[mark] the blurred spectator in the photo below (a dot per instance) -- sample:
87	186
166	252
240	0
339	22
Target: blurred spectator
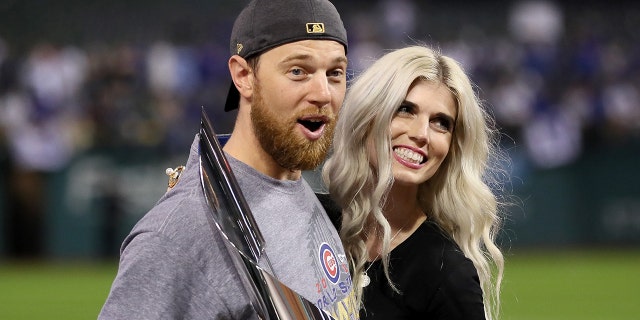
552	139
37	119
622	110
536	22
399	18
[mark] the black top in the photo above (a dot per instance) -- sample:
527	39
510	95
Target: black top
332	209
435	279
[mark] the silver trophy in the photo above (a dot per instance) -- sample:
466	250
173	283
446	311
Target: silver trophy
231	215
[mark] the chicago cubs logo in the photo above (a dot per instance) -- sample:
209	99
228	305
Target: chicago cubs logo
329	263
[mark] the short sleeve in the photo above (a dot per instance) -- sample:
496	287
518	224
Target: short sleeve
460	294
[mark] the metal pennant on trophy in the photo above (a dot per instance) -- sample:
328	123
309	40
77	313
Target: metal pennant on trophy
230	214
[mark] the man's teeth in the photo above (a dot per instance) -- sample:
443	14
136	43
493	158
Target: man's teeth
409	155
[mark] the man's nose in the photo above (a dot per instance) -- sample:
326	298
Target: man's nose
320	93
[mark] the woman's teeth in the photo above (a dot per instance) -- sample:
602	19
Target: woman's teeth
409	155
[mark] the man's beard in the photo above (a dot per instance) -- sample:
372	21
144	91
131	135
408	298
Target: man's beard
277	136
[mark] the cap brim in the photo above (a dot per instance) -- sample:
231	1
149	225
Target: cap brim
233	98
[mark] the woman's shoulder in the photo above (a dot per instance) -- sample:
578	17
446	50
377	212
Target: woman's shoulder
331	208
435	249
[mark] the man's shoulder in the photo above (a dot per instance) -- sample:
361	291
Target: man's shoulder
175	213
179	220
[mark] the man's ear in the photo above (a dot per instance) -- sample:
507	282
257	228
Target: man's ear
242	75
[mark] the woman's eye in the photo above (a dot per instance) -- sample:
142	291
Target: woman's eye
442	124
404	109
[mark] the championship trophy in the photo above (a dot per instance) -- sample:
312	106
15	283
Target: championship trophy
230	214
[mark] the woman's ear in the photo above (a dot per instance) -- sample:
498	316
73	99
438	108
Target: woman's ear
242	75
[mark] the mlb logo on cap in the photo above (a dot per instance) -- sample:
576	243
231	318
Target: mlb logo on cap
316	27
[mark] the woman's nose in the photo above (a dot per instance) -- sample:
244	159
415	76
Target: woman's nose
420	131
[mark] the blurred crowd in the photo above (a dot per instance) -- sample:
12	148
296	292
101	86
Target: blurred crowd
559	82
554	87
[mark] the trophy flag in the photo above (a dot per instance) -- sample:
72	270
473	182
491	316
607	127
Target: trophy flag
230	214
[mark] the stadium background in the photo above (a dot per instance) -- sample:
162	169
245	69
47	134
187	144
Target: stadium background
97	98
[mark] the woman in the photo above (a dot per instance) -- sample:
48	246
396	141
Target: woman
410	171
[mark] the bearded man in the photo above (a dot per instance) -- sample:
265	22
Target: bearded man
288	65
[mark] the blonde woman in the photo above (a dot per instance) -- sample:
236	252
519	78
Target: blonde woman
410	169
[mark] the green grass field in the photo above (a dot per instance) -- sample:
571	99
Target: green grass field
53	291
586	285
538	285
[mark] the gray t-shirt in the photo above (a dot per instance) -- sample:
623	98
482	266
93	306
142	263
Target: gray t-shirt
303	246
174	265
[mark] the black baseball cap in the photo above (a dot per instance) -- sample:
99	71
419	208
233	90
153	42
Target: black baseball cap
265	24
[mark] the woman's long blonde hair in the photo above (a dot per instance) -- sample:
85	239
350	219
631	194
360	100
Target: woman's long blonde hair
459	197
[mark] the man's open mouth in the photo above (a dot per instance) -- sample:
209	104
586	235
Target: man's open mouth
312	125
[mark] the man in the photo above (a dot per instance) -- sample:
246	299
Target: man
288	67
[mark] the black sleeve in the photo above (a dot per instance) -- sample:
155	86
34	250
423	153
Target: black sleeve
460	295
333	210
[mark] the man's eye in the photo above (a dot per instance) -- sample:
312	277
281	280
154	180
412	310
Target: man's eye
296	72
336	73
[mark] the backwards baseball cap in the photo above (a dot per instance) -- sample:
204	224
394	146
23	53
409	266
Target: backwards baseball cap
265	24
